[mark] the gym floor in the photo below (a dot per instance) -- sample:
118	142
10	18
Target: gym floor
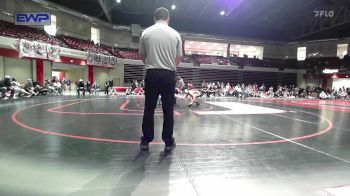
90	146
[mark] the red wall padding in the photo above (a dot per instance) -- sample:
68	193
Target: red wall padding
40	71
91	74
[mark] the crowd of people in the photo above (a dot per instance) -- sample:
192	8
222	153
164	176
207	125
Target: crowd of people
216	89
86	87
136	88
10	88
109	86
212	89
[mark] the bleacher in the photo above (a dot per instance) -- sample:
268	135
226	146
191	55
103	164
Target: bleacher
321	62
127	53
84	45
8	29
206	59
266	62
111	50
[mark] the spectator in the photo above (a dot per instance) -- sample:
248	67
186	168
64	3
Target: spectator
57	87
29	87
323	95
17	89
69	84
111	83
107	85
80	87
88	87
95	88
5	87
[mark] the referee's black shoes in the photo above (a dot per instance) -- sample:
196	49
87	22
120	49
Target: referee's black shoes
169	148
144	146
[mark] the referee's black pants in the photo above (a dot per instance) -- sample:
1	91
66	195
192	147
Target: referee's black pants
159	82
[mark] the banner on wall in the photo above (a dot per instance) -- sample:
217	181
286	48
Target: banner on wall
105	60
101	60
26	48
97	59
113	61
34	49
40	50
53	52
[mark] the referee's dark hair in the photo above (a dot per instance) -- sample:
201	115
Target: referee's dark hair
161	14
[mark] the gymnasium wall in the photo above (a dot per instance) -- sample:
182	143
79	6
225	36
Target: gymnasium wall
117	74
111	37
312	82
74	74
21	69
13	6
73	26
81	29
275	51
301	80
100	75
47	70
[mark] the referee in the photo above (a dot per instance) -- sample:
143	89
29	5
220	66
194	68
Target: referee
161	51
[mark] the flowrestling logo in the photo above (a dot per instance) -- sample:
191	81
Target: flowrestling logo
324	13
37	19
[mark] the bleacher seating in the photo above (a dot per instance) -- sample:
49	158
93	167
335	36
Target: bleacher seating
266	62
84	45
111	51
315	65
249	62
292	63
23	32
125	53
322	62
206	59
128	53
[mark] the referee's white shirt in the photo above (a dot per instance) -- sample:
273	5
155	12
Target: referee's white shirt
160	45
